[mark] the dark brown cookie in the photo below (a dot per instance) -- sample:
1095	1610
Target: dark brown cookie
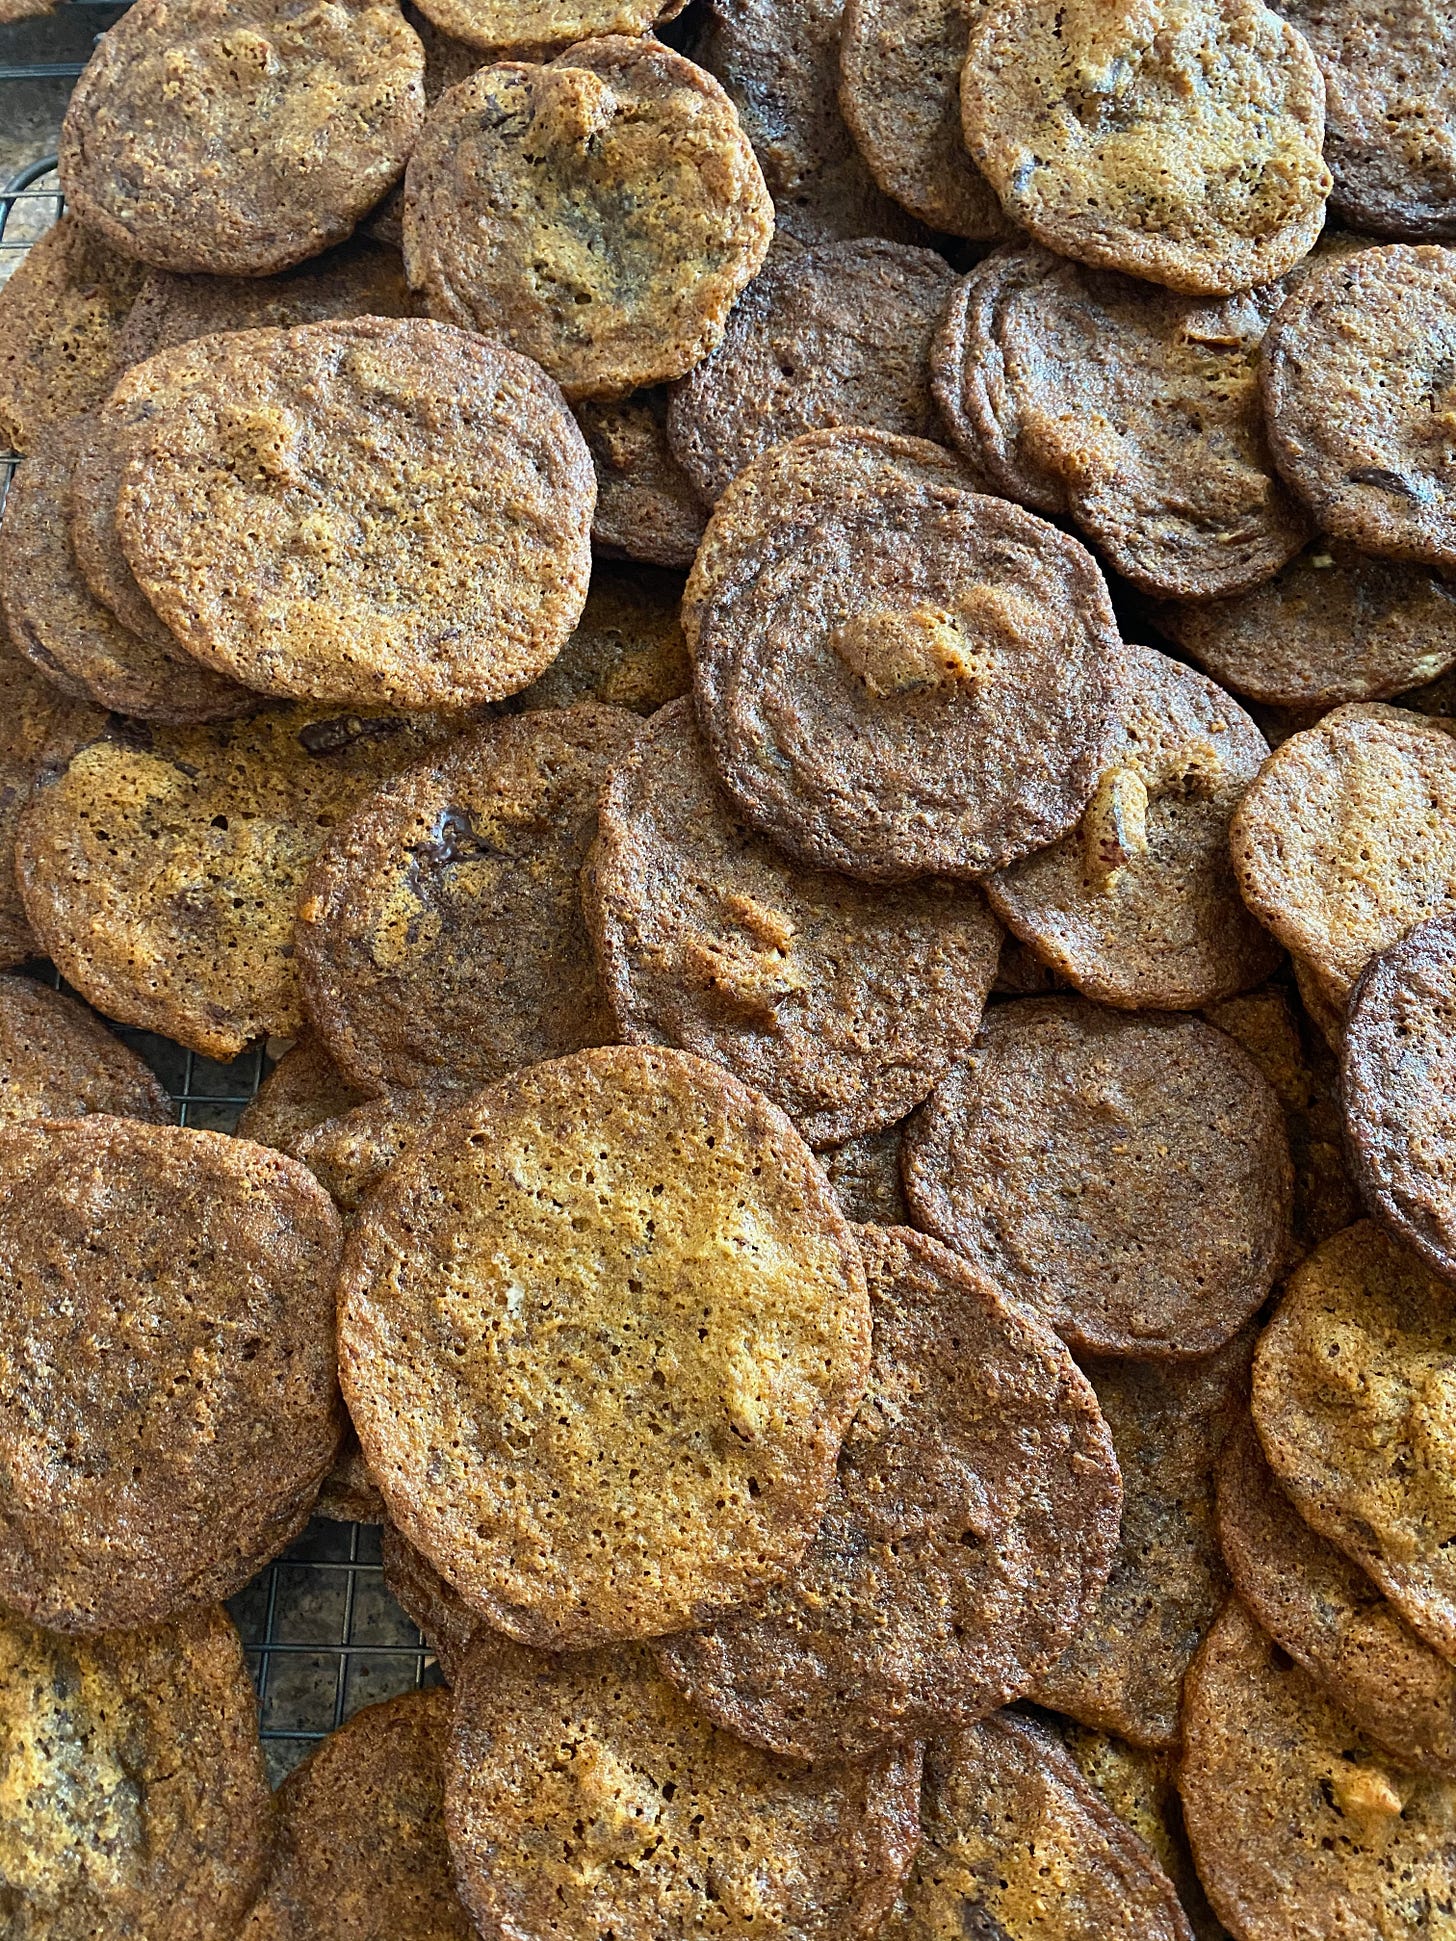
440	933
865	1176
423	537
61	314
1356	374
1019	1847
628	650
37	723
1139	906
303	1089
55	620
161	867
1124	1669
1350	1387
1329	1616
1299	1827
132	1794
1127	1177
360	1849
286	124
646	507
837	335
58	1061
349	1494
575	1285
895	675
601	214
171	1419
967	1539
900	67
1108	134
842	1003
684	1830
350	1154
1399	1081
446	1622
1333	626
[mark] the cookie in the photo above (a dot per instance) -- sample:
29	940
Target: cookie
1355	363
360	1846
287	125
1298	1825
440	933
1347	839
896	676
646	508
447	61
637	1237
1348	1388
161	867
843	1004
132	1794
1390	101
1018	1844
61	314
171	1419
303	1089
628	650
601	214
837	335
526	30
1399	1077
1125	1667
1333	626
56	621
900	67
1331	1619
865	1176
447	1624
1108	135
423	538
57	1061
1128	1178
349	1494
1139	906
966	1541
350	1154
1325	1012
37	723
684	1830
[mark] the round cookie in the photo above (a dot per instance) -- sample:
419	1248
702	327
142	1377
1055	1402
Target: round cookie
865	1176
61	314
1125	1667
350	1154
37	723
684	1830
447	1624
161	867
1347	839
1330	1618
57	1061
628	650
56	621
897	676
423	537
1139	907
1398	1082
1333	626
303	1089
132	1793
1128	1178
967	1539
1019	1847
601	214
286	124
900	67
1108	133
527	30
843	1004
837	335
1390	104
360	1847
589	1252
646	509
1356	374
1350	1386
1297	1825
440	934
171	1419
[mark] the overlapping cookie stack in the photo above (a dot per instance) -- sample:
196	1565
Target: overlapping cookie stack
865	1179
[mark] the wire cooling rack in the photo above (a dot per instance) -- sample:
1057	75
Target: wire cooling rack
322	1635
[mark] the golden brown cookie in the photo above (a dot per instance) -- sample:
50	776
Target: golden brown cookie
37	723
58	1061
303	1089
447	1624
602	1332
528	30
628	650
172	1417
646	508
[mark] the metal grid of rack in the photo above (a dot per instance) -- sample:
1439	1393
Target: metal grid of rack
322	1634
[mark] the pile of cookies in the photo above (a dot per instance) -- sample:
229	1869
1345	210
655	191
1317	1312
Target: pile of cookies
860	1166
